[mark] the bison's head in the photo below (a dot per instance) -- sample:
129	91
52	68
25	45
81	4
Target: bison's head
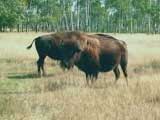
69	49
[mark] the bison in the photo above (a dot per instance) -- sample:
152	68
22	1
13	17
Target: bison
97	53
50	45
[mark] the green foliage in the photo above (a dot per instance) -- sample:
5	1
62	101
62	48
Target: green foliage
10	12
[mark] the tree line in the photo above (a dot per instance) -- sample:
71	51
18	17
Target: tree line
121	16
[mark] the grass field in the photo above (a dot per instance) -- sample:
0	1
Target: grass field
63	95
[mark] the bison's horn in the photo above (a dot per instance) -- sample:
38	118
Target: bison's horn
82	44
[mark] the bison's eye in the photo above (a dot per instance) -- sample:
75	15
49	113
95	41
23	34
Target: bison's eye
78	50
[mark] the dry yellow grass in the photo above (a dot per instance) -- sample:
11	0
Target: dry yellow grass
63	95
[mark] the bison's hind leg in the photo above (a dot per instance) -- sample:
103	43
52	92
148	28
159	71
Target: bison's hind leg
40	65
124	69
117	73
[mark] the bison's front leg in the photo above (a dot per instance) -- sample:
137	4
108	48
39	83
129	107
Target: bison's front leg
87	78
94	77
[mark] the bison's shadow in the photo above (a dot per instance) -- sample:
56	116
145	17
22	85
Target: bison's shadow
22	75
25	76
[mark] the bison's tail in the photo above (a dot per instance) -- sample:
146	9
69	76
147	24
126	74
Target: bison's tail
31	44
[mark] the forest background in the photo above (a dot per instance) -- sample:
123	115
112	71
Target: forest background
109	16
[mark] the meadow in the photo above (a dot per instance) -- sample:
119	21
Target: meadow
63	95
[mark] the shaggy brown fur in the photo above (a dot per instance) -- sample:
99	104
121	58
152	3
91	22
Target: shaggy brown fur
105	56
